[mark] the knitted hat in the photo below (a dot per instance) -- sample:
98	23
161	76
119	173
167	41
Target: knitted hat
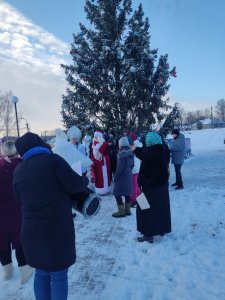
74	132
28	141
175	131
152	138
123	142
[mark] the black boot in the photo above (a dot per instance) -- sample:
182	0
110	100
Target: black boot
145	238
179	187
174	184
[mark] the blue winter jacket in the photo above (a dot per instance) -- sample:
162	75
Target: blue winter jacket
178	150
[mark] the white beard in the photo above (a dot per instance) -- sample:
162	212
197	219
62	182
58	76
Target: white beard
96	153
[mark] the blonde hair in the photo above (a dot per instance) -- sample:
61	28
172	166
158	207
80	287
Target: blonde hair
8	148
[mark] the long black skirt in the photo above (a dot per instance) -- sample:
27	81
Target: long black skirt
157	219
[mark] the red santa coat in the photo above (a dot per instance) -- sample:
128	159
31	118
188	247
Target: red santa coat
97	166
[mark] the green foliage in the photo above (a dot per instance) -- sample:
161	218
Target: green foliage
169	122
199	125
115	79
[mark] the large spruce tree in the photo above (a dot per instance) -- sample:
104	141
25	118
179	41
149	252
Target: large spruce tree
169	121
115	79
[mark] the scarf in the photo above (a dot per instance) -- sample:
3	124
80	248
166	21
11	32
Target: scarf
34	151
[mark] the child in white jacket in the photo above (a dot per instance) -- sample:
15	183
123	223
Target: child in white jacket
135	173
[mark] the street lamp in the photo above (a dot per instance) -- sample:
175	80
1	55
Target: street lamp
15	100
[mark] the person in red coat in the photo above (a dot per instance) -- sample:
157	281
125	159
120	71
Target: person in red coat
10	216
101	164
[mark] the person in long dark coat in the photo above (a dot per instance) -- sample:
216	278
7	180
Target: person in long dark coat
44	183
153	180
123	178
112	152
10	216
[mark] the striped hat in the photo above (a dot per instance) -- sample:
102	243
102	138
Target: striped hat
152	138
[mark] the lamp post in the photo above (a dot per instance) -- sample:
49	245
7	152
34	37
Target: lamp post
15	100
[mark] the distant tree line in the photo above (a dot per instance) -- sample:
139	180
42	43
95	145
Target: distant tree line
192	117
7	115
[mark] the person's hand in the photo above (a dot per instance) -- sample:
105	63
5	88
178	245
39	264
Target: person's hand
133	147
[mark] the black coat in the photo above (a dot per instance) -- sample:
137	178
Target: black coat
112	152
153	169
153	178
43	184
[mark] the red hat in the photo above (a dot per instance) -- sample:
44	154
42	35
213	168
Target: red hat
98	133
133	136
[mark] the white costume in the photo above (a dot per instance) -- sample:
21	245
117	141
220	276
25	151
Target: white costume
74	132
66	150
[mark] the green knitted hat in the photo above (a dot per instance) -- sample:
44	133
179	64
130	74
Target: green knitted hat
152	138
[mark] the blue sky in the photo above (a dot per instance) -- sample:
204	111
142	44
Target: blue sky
191	31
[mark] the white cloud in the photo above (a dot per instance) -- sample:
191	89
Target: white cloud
39	46
39	94
4	37
30	59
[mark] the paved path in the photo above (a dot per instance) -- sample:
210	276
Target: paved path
94	266
96	253
100	239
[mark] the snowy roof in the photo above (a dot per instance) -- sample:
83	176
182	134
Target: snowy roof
206	121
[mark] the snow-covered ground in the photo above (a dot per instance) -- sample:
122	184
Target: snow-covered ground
187	264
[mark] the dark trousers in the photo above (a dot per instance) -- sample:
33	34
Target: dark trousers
119	200
6	256
179	180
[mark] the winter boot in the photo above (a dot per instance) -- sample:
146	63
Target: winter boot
145	238
120	213
25	273
7	271
127	209
179	187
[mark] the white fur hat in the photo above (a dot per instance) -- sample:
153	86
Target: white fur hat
60	134
74	132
